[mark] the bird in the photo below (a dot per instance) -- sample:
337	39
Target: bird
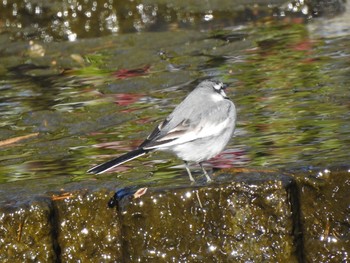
198	129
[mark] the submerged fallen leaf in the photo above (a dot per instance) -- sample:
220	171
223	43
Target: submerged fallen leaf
140	192
78	58
17	139
126	99
19	231
229	158
62	196
128	73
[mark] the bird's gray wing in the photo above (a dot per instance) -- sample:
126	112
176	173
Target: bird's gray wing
179	120
184	124
166	132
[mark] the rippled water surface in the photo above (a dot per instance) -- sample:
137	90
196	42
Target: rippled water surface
72	98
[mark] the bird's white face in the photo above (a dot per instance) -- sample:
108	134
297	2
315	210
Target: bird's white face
219	88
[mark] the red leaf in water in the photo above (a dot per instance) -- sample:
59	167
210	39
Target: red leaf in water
144	120
124	99
129	73
304	45
229	158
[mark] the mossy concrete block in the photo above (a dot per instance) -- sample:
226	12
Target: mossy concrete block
325	215
26	234
245	221
87	230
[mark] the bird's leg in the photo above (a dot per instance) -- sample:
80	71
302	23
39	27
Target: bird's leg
189	172
205	173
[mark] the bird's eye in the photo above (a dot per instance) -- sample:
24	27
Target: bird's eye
218	86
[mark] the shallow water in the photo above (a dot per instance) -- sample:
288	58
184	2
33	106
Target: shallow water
70	102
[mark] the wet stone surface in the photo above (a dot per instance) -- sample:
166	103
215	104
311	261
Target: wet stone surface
52	223
250	219
86	229
243	216
26	233
235	221
325	213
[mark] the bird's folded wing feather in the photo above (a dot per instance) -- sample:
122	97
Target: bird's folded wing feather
190	127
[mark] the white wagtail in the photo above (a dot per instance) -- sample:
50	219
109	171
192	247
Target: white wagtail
198	129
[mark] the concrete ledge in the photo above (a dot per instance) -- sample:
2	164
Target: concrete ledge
26	233
253	216
86	229
325	214
237	222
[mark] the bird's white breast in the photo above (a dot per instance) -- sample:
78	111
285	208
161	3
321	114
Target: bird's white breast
216	97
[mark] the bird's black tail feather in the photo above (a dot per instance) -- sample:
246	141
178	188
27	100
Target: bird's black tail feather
101	168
